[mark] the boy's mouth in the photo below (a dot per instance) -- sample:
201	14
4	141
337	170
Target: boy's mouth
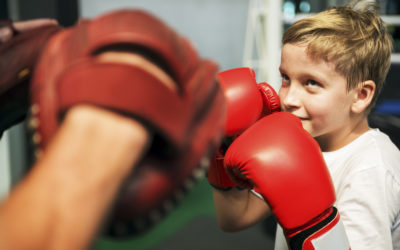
304	119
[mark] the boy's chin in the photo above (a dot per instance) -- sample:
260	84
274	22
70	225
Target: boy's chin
307	126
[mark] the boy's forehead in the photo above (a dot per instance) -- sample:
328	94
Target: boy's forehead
296	57
301	53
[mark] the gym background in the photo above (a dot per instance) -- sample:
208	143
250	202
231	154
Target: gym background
234	33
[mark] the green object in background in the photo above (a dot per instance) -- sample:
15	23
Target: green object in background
198	202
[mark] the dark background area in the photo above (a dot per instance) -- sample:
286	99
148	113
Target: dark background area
66	12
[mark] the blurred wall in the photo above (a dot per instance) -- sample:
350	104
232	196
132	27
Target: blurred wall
216	27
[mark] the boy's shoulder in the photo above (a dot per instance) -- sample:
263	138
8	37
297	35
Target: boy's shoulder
378	143
373	149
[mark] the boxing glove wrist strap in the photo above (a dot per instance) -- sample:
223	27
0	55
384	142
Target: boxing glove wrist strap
327	234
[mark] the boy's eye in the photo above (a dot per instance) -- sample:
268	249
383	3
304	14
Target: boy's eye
312	83
285	80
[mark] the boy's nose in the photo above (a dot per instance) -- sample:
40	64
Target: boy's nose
290	98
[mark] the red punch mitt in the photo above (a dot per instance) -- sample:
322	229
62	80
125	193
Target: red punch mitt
187	123
18	57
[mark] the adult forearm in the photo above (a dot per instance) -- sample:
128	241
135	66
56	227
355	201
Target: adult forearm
62	201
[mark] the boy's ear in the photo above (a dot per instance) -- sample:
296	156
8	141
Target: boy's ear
363	96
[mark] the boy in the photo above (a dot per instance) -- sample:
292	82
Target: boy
333	67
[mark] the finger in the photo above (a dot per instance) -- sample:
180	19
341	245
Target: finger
5	34
22	26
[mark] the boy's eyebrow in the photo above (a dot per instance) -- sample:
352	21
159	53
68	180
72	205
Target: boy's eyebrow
317	77
314	74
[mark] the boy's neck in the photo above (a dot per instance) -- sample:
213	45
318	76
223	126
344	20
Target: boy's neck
338	139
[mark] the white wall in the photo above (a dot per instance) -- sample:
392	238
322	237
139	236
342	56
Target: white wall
5	177
13	158
216	27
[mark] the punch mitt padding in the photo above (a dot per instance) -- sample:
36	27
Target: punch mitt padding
187	123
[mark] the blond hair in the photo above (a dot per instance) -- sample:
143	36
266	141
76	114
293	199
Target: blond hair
353	37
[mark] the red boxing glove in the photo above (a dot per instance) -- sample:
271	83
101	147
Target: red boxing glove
282	162
247	101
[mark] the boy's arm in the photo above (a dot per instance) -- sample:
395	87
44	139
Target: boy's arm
60	204
238	209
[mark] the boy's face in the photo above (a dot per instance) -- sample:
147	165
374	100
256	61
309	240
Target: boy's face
313	91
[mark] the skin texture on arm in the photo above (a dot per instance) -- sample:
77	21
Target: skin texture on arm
238	209
61	202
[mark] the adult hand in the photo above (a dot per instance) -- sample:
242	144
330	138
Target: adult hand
8	28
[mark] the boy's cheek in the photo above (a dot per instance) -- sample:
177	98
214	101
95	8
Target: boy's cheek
282	94
307	126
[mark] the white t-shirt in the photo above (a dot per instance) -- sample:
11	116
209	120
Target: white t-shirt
366	176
